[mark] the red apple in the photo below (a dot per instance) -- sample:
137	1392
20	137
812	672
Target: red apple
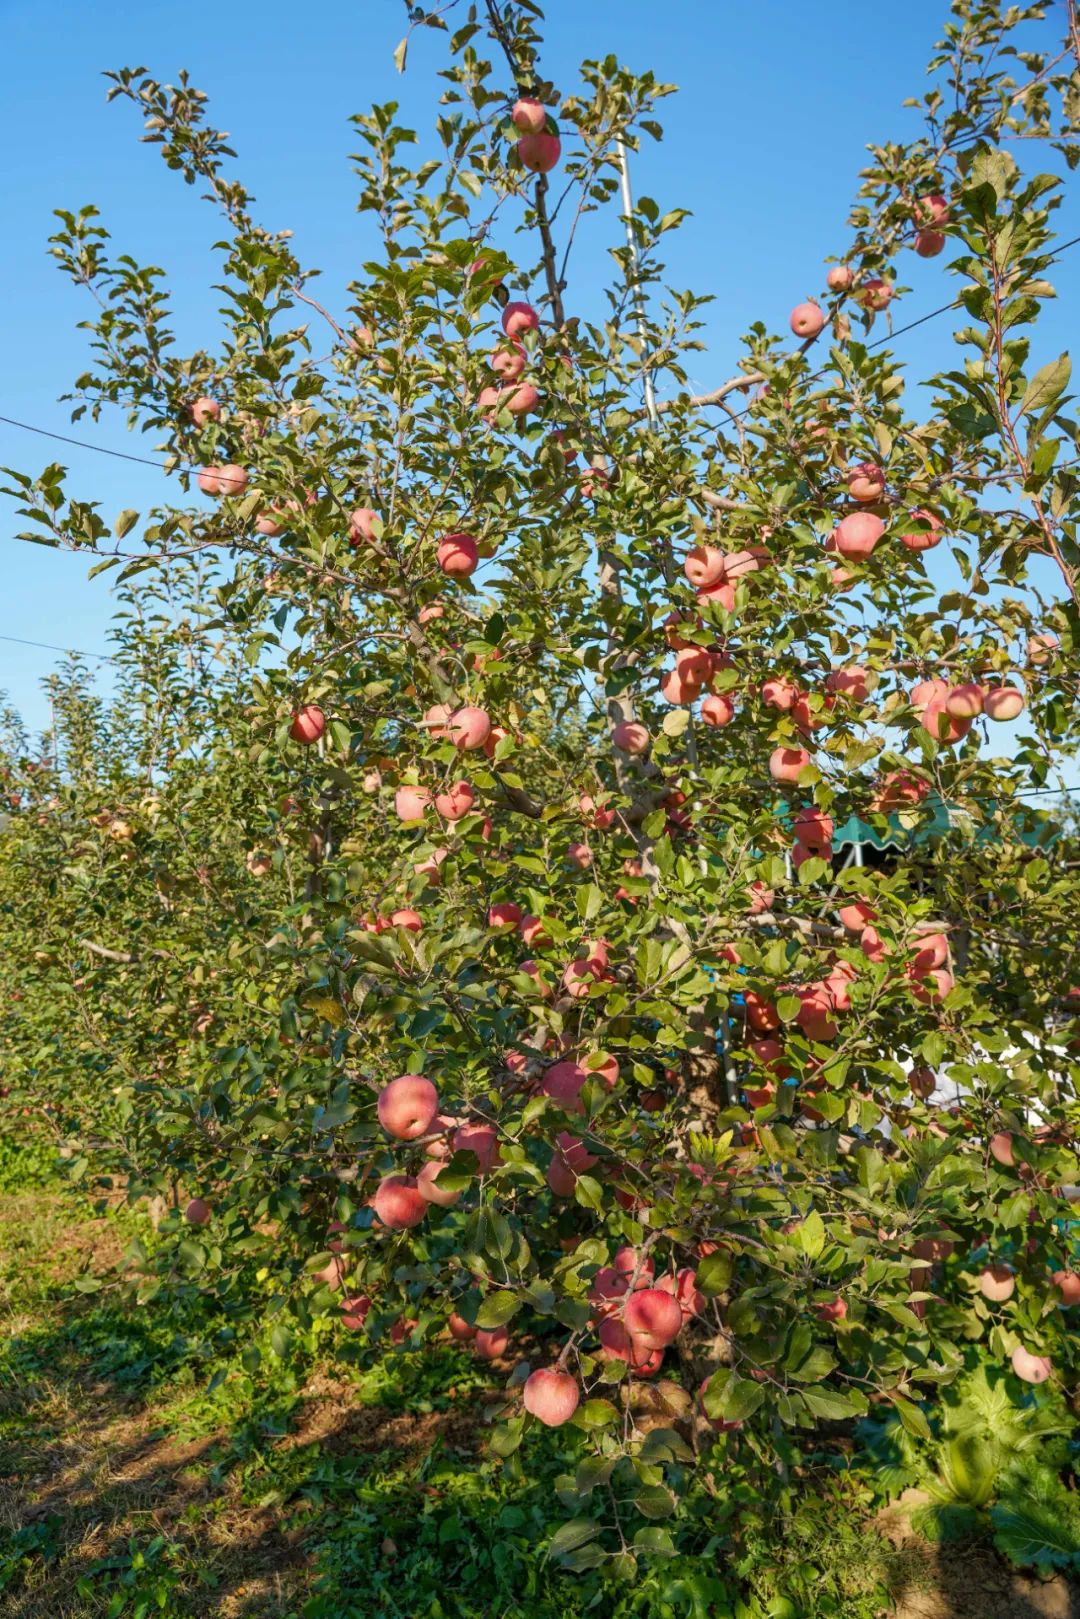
398	1202
1003	703
362	525
197	1211
539	153
551	1395
407	1106
457	555
308	725
204	410
857	534
997	1283
839	278
518	318
528	115
927	537
866	482
785	764
1030	1367
630	736
807	320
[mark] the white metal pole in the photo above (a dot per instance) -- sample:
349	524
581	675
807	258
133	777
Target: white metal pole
639	304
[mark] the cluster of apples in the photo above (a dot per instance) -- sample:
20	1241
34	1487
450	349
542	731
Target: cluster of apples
508	362
538	146
872	292
947	712
928	951
408	1110
637	1317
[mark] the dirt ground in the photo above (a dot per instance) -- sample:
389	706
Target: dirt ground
968	1583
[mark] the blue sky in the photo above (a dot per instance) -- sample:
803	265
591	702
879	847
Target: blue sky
763	143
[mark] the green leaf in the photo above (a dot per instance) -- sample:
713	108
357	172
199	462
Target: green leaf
714	1273
596	1414
655	1502
911	1415
1037	1534
1046	386
497	1309
731	1398
578	1532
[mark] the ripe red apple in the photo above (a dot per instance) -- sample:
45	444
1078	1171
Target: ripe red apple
718	709
428	1190
528	115
407	1106
807	319
534	932
518	318
964	702
852	683
929	243
785	764
259	864
209	480
926	538
630	736
933	210
197	1211
1001	1149
1030	1367
857	534
362	525
539	153
856	914
830	1309
308	725
504	916
411	802
205	410
866	482
1041	648
779	693
470	728
509	363
551	1395
839	278
232	480
456	802
875	294
354	1311
579	855
432	611
1003	703
563	1082
408	919
997	1283
482	1140
705	565
652	1317
399	1202
457	555
459	1329
931	950
491	1342
1067	1283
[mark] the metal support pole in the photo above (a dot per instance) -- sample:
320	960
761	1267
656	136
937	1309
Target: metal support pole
639	304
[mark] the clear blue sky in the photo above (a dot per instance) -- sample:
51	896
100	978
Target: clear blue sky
763	143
